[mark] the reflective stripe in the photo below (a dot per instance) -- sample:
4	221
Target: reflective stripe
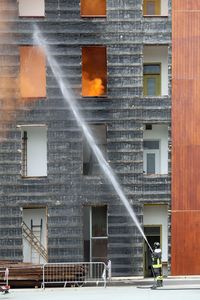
159	278
157	266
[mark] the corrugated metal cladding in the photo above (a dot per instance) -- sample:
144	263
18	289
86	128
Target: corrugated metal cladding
65	190
186	164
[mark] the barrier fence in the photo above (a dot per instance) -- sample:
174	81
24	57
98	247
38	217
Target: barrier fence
4	272
76	273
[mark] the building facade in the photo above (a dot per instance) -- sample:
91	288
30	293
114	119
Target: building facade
116	56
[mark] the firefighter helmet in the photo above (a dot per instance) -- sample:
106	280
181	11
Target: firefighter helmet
156	245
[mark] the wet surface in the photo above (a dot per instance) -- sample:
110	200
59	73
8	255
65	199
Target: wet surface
108	293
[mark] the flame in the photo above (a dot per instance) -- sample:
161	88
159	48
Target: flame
11	103
94	71
93	87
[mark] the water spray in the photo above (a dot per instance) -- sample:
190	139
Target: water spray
71	101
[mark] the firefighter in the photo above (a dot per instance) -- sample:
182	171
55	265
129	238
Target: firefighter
157	265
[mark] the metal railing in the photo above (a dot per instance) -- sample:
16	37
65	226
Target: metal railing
76	273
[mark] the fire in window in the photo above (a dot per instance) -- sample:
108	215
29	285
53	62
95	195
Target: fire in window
94	71
32	72
93	8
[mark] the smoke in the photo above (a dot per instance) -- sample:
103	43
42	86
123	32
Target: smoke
8	77
32	72
12	85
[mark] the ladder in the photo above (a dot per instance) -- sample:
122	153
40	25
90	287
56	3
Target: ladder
34	241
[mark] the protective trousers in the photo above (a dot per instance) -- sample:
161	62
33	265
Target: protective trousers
157	272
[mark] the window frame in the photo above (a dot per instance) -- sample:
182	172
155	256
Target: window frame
97	238
157	153
156	76
25	152
157	7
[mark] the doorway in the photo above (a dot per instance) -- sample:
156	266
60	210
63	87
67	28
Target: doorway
153	234
95	233
34	230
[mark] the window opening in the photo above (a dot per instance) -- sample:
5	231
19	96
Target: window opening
90	162
32	72
31	8
34	151
95	233
94	71
152	7
93	8
151	157
152	79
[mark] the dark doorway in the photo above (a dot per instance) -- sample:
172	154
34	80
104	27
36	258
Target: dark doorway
95	233
153	234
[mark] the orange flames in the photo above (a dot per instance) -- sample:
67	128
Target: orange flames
93	7
11	84
94	71
92	87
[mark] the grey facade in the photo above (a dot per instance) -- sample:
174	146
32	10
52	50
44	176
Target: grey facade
125	111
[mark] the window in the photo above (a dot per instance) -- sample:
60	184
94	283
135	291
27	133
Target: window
93	8
155	149
151	7
90	163
151	157
95	233
94	71
152	79
32	72
31	8
34	151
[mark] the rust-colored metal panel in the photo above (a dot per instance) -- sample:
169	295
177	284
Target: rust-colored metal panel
185	5
185	243
185	137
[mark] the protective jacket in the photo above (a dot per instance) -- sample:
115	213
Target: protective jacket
157	266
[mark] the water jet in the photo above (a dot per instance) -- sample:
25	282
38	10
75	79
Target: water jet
71	101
